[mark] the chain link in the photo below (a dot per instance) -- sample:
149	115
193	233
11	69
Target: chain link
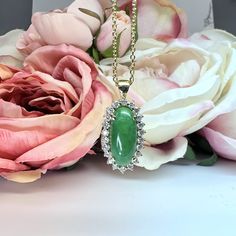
115	42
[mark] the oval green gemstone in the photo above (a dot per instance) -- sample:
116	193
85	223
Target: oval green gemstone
123	136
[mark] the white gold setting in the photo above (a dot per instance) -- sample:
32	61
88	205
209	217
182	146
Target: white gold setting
105	137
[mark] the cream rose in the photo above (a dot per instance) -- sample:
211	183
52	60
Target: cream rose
180	88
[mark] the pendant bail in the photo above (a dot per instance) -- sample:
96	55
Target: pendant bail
124	88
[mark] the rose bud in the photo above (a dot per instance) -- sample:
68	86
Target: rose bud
76	25
104	39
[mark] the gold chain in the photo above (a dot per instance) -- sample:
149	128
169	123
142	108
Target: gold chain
120	83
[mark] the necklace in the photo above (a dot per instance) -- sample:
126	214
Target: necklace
122	133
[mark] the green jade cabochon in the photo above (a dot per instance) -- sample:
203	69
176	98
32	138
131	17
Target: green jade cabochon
123	136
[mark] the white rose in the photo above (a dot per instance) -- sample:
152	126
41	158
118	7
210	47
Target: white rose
180	88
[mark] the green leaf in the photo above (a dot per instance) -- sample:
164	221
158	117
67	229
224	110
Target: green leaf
190	154
95	55
209	161
90	13
200	143
89	51
108	53
200	157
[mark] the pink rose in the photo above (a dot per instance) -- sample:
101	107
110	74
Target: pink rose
52	116
105	37
75	26
159	19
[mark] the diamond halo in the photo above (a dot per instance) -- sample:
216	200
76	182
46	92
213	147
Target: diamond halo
105	137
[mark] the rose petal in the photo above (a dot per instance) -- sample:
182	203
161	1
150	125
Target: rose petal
225	105
187	74
164	20
5	72
154	157
202	91
65	86
75	141
53	29
69	67
170	124
222	145
148	80
49	104
225	124
9	165
29	41
11	110
91	5
8	53
46	58
23	176
18	136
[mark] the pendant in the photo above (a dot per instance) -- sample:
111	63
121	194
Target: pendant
122	135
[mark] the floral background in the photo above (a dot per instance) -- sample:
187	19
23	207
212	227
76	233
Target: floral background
56	84
201	11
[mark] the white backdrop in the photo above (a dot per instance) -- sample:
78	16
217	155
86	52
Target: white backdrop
198	11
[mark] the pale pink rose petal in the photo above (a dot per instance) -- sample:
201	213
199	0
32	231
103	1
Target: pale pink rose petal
23	177
164	20
78	74
225	105
29	41
74	66
225	124
74	79
148	80
65	86
222	145
91	6
46	58
20	135
9	165
67	143
53	29
154	157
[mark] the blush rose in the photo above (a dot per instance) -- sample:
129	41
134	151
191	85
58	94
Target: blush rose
51	114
